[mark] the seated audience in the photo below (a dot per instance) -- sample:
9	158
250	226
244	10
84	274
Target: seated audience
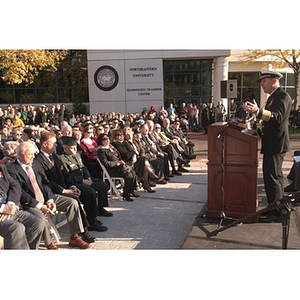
116	166
122	141
77	174
155	157
89	149
20	229
52	167
9	152
37	196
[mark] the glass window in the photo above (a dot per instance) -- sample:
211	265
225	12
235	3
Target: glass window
247	85
291	91
188	80
290	79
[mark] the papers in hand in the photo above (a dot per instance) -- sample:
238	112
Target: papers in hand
249	131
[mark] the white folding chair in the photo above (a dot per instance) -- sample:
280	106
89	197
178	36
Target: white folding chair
1	243
53	230
114	187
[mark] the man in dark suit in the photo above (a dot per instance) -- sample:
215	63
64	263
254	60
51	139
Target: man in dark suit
275	135
92	189
19	228
52	167
37	196
158	160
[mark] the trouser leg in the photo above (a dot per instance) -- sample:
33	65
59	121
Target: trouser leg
297	176
34	228
101	188
14	236
70	207
38	214
273	177
88	198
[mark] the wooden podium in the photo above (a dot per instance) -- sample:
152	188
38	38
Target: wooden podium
237	170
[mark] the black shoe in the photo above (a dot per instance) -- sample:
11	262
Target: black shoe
187	165
127	198
290	188
87	237
161	181
182	169
152	184
176	173
183	161
270	219
104	213
133	194
186	161
167	178
97	227
150	190
170	175
192	156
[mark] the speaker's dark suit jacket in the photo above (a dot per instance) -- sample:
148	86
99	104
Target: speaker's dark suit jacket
27	193
275	132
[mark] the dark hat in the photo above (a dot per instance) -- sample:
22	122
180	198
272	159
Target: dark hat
269	74
75	127
69	141
136	131
177	120
28	131
115	120
103	136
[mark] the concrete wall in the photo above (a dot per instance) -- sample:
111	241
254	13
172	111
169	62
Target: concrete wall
140	77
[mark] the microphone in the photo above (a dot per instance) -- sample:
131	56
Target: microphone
222	131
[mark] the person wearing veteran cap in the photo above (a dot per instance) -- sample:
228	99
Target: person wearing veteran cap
275	135
52	167
77	174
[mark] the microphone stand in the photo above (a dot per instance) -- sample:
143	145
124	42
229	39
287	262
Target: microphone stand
284	205
222	136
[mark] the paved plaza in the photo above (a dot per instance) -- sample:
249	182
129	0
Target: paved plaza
172	217
161	220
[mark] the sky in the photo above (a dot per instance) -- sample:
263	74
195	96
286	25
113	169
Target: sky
154	24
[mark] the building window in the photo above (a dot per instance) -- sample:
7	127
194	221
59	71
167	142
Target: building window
287	82
247	85
187	81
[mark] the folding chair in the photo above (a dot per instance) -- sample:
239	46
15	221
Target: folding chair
114	187
1	243
53	230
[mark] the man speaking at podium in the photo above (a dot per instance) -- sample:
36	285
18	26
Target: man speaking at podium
275	135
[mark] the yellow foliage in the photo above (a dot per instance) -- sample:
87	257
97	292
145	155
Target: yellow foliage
278	57
23	65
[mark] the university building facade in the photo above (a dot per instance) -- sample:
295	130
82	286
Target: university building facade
129	80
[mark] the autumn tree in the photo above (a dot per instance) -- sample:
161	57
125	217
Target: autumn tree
19	66
279	58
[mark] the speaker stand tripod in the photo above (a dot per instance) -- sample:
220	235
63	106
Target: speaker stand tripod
284	206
